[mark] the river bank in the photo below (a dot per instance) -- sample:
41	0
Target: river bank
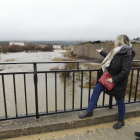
72	57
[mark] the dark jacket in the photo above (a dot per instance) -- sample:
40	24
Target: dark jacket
120	67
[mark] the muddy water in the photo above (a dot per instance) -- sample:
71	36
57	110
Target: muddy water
20	91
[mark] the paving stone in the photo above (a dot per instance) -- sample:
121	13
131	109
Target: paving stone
60	138
103	138
111	131
81	137
138	123
137	127
67	137
102	129
120	132
122	129
94	136
129	130
106	134
87	136
129	135
130	126
98	132
125	138
74	137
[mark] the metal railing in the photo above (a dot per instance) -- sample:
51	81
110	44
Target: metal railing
35	73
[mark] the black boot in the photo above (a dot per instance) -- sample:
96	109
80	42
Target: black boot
119	124
86	114
137	134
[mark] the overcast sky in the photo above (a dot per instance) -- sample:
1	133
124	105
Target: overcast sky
46	20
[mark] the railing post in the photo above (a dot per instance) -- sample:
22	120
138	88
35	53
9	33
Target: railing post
36	94
110	102
77	65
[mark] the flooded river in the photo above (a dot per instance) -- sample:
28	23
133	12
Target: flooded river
20	91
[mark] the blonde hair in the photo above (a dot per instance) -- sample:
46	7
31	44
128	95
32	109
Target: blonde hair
122	40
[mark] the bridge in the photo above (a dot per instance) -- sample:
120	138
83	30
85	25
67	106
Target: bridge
58	117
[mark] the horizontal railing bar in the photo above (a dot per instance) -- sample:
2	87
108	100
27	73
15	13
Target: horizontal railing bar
136	61
49	71
9	118
52	62
132	102
134	68
59	62
68	71
16	73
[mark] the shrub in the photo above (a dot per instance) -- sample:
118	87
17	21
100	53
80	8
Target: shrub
15	48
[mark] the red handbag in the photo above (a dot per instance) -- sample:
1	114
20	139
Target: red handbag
103	80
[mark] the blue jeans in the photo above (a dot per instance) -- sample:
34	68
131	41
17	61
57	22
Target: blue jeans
95	96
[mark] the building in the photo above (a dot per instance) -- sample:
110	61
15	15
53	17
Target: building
16	43
56	46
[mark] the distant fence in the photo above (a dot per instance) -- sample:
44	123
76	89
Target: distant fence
35	74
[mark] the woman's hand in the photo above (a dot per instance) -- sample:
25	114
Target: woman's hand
99	50
110	80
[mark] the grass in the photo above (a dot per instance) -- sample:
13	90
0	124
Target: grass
58	59
67	66
67	53
9	60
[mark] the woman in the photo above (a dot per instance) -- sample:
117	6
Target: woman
118	64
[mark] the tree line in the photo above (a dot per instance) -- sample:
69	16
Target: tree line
17	48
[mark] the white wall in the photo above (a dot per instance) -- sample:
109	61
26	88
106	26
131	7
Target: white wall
16	43
57	46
